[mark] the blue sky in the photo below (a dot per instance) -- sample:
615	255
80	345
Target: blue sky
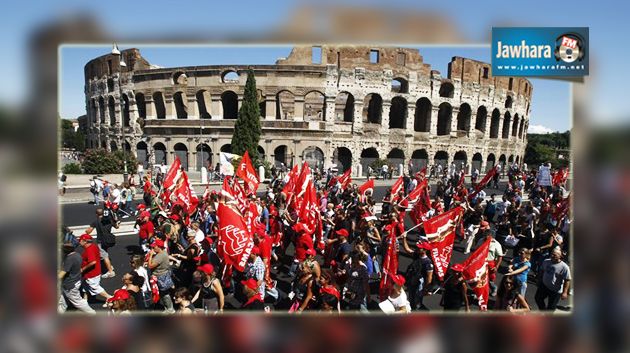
473	19
550	103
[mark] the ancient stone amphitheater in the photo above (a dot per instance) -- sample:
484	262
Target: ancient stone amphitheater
344	105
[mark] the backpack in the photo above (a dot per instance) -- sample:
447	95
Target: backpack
108	239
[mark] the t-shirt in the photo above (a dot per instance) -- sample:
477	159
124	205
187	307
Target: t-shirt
163	265
494	251
400	301
343	249
146	228
72	267
116	195
303	243
139	298
143	272
554	275
517	263
357	277
91	253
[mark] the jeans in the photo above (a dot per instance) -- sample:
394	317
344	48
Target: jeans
415	296
167	302
543	293
523	288
74	296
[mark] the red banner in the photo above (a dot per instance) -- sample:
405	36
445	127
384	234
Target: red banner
422	205
247	172
184	194
345	179
561	209
390	265
486	179
172	176
440	230
560	176
398	185
415	194
476	270
422	174
367	186
235	243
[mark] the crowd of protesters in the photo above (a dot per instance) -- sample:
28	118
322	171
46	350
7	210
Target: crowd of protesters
179	268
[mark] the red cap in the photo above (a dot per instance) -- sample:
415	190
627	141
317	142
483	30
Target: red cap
141	206
310	251
457	267
206	268
115	206
338	206
330	290
255	251
158	242
174	217
145	214
120	294
342	233
250	283
484	225
85	237
424	245
399	280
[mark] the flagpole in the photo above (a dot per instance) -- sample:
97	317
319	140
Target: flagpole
412	228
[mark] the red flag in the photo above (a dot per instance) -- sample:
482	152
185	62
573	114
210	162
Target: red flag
300	187
561	209
184	194
422	174
422	205
332	182
309	212
247	172
390	265
560	176
462	178
486	179
174	173
235	243
367	186
398	185
251	215
440	231
414	195
345	178
476	269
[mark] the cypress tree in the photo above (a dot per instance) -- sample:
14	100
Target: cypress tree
247	129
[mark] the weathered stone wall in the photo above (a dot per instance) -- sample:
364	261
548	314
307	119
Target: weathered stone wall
344	110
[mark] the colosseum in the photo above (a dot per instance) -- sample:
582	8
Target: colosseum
346	105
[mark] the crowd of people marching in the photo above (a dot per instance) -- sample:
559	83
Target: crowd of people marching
323	234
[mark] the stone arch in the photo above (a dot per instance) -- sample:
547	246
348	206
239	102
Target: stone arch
494	124
204	104
490	161
511	159
398	113
368	156
230	76
441	157
515	125
399	85
261	153
101	108
160	107
204	156
181	105
422	121
229	102
447	90
180	78
518	160
315	106
508	102
142	153
126	146
285	105
280	155
502	161
344	107
480	121
141	103
342	156
445	114
477	161
396	156
111	106
262	103
125	114
463	117
372	108
520	129
506	125
314	156
420	159
227	148
180	150
460	159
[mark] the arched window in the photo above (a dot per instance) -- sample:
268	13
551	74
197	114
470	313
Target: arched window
463	117
204	103
159	151
368	156
398	113
490	162
515	125
160	108
506	125
126	117
494	124
314	157
229	76
445	114
420	159
400	85
142	153
181	106
480	121
229	101
111	106
372	108
343	158
101	109
441	157
142	105
344	107
447	90
422	122
285	105
204	157
508	102
280	156
181	151
460	160
315	106
180	78
476	162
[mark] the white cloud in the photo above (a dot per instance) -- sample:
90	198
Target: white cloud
539	129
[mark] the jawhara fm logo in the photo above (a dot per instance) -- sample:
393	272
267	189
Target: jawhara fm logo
569	48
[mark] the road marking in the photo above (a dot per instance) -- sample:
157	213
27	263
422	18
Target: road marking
126	228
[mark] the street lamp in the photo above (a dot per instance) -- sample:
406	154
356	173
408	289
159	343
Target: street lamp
117	53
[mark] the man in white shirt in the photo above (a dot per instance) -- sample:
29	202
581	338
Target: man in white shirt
502	208
115	195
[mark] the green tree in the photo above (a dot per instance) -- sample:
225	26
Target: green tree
247	129
101	161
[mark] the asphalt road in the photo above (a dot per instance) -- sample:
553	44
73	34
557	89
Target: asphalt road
83	213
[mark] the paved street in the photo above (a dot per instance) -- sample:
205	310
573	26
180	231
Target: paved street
79	215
